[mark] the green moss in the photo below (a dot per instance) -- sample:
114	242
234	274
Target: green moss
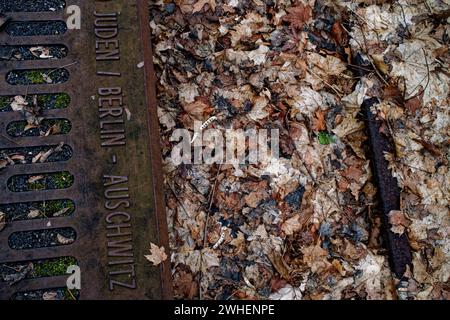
37	185
62	100
49	208
5	102
44	99
65	126
62	180
53	267
34	77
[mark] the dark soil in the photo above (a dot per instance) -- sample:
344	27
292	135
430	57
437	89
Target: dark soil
31	5
36	28
48	181
61	294
30	152
20	211
44	101
39	238
17	128
21	53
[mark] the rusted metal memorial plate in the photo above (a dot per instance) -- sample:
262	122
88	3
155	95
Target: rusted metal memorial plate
115	154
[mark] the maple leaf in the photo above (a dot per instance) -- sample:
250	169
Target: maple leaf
298	15
157	254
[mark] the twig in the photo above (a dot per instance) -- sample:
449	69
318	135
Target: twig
205	232
59	68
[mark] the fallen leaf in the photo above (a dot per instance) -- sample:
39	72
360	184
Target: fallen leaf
398	221
157	254
291	225
298	16
2	220
63	240
318	122
33	214
414	103
61	212
200	4
33	179
316	258
49	296
19	103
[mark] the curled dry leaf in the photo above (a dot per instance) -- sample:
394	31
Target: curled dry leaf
19	103
2	220
33	214
157	254
33	179
61	212
49	296
63	240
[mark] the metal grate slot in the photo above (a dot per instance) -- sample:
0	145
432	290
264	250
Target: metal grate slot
38	76
37	102
36	52
41	238
40	128
35	28
32	5
37	210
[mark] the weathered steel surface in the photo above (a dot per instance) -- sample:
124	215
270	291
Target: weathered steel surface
388	190
102	106
387	186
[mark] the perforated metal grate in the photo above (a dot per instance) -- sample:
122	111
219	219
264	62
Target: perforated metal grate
112	175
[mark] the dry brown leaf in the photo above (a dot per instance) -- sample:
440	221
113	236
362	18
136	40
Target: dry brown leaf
18	157
157	254
338	33
316	258
398	221
19	103
33	179
185	285
292	225
33	214
298	16
2	220
61	212
200	4
49	296
63	240
3	164
414	104
199	108
318	122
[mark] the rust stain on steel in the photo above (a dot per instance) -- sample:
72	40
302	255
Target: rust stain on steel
133	215
387	186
